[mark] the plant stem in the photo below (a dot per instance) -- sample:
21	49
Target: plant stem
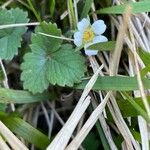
71	14
34	11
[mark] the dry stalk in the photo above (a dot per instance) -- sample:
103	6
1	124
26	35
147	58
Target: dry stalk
65	133
141	121
140	84
120	121
102	120
114	63
14	142
59	118
88	125
19	25
6	4
3	145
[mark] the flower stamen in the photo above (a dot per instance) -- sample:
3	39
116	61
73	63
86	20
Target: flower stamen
88	35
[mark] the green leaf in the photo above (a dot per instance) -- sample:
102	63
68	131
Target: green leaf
116	83
137	7
103	46
138	108
21	97
50	63
100	132
25	130
3	107
5	18
91	139
86	8
1	76
136	135
71	14
128	110
52	7
145	56
145	70
10	38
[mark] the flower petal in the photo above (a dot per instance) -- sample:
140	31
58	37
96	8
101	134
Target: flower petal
91	52
83	24
98	27
99	39
78	39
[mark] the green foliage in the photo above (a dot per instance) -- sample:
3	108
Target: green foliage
52	62
103	46
1	76
2	107
25	130
52	6
116	83
91	142
86	8
137	7
145	70
21	97
128	110
145	56
137	107
71	14
49	62
10	38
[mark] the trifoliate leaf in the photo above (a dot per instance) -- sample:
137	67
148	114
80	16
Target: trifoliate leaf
62	67
10	38
49	62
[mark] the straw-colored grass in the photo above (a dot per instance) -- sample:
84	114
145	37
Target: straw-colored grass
132	31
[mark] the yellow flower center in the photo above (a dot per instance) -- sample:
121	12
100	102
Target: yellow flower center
88	35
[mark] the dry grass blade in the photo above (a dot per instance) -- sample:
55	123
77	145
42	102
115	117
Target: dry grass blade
102	120
140	84
6	4
144	133
114	109
113	71
141	121
65	133
3	145
19	25
74	145
14	142
114	64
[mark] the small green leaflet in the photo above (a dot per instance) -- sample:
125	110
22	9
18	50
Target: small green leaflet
10	38
50	62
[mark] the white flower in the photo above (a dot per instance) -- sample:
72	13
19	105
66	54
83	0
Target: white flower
88	34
